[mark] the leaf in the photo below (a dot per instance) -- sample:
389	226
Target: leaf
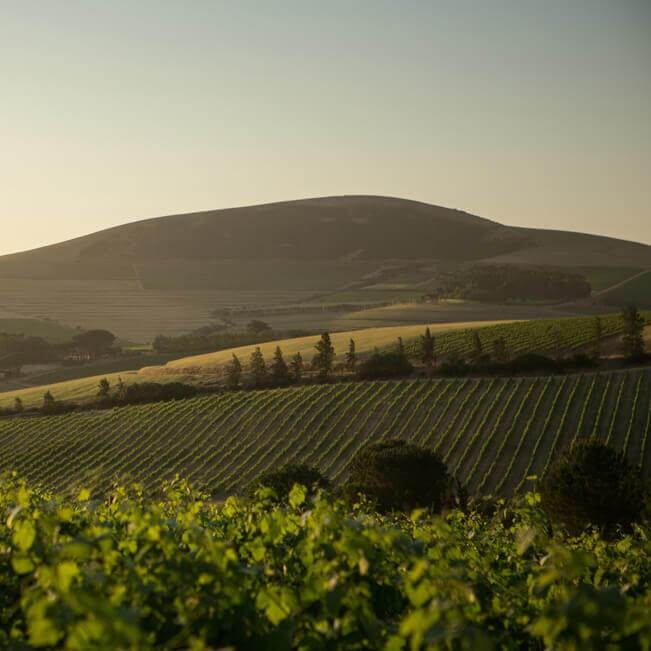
277	603
297	495
24	535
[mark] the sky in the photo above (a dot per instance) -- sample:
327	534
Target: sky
529	112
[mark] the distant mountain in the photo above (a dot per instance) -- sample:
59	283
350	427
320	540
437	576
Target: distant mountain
353	229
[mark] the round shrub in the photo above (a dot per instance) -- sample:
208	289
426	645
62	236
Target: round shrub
593	485
398	476
282	480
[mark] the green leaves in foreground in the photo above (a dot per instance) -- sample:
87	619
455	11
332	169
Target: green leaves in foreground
310	573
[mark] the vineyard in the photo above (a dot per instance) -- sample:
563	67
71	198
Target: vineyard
549	336
492	432
183	572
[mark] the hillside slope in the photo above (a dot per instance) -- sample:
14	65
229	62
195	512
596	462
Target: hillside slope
493	433
171	274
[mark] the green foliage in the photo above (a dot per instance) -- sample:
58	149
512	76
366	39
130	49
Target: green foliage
233	373
279	372
384	365
103	388
427	345
633	327
296	366
282	481
593	485
257	369
325	355
396	475
351	356
184	572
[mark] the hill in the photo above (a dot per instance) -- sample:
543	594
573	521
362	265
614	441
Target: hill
170	274
493	433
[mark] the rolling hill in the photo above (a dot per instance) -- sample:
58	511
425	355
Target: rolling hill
169	274
492	432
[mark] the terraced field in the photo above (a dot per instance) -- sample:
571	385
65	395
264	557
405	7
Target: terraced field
493	432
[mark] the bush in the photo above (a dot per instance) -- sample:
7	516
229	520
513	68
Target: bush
384	365
155	392
592	484
399	476
282	481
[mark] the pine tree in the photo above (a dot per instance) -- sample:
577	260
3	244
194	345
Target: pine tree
401	348
351	356
48	401
279	371
297	367
597	334
233	373
257	369
325	356
18	405
427	349
633	338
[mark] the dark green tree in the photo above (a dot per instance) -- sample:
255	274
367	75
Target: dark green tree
233	373
427	349
399	476
296	366
94	342
351	356
324	358
49	403
18	405
400	348
593	485
257	327
257	369
282	480
279	371
103	388
633	339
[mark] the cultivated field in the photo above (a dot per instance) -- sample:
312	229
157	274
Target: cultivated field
493	433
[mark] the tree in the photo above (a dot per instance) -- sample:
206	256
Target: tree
351	356
282	480
94	342
257	327
387	364
500	350
325	356
593	485
597	334
633	338
257	369
233	373
397	475
400	348
279	371
427	349
297	367
18	405
103	388
49	403
477	347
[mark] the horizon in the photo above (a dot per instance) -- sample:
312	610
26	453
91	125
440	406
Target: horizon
531	116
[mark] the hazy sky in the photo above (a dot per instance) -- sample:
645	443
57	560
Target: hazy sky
529	112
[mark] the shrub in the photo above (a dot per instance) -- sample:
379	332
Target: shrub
282	480
154	392
593	485
397	475
384	365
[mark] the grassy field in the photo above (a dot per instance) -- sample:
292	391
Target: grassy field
125	308
637	290
366	341
51	331
492	432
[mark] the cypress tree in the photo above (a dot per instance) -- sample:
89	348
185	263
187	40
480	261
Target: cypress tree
633	338
233	373
297	367
325	356
257	368
351	356
427	349
279	371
